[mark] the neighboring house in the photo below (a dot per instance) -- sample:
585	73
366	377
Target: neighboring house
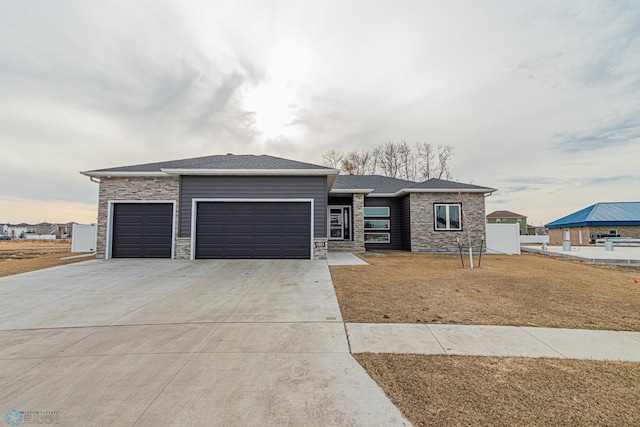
246	206
535	230
620	219
508	217
63	230
17	231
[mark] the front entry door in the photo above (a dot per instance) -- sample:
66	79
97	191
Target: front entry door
340	222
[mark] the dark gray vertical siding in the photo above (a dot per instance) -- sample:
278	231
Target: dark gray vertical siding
395	222
340	200
254	187
405	209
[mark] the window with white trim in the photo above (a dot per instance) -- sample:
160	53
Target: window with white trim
372	225
447	216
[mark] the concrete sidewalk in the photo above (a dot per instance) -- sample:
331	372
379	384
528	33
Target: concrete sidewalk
344	258
476	340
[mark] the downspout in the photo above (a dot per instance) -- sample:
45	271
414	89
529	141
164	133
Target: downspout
93	179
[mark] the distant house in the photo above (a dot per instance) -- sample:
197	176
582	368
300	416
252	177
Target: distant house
621	219
17	231
535	230
508	217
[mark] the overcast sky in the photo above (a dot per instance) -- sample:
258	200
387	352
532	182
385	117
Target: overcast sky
541	99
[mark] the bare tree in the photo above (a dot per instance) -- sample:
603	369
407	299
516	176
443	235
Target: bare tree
406	162
388	159
357	163
425	158
396	160
332	158
445	153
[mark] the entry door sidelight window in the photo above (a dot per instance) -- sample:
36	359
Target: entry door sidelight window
340	223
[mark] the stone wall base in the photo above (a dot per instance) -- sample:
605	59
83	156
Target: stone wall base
183	248
346	246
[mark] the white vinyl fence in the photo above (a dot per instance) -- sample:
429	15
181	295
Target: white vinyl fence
533	240
503	239
40	236
83	238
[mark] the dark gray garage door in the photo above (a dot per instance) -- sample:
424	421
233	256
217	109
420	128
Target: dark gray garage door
142	230
265	230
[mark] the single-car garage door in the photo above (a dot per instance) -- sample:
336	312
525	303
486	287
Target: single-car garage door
142	230
266	230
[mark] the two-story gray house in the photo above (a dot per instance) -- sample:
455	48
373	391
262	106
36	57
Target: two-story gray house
248	206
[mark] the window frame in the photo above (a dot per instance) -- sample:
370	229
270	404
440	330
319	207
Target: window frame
447	217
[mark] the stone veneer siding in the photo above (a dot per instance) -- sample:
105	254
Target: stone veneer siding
183	248
358	221
319	252
132	188
424	238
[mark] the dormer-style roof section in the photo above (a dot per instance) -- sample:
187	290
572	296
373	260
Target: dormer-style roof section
504	214
369	184
384	186
601	214
229	164
440	185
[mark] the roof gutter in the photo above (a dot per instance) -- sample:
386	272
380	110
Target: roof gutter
443	190
352	191
101	174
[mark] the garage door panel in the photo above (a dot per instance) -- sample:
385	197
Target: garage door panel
263	230
142	230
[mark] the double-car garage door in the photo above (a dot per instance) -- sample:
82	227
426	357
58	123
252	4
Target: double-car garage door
264	230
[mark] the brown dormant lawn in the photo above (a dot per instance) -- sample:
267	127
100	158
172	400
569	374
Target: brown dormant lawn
20	256
493	391
507	290
524	290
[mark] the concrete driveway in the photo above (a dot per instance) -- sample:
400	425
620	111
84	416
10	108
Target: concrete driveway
154	342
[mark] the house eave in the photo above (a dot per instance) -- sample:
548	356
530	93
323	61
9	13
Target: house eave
253	172
351	191
103	174
443	190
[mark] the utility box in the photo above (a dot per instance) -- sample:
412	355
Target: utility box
84	237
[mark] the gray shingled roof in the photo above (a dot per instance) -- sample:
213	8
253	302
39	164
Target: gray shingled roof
228	161
379	183
441	184
384	184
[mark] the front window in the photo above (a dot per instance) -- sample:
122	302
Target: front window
376	224
377	238
376	211
447	217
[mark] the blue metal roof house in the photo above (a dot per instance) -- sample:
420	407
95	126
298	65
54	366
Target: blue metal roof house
615	219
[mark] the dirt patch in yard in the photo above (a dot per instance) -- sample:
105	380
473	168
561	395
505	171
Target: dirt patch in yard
20	256
529	290
491	391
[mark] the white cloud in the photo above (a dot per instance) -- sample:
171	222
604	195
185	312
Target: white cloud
539	98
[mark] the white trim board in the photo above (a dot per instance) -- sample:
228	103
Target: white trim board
194	208
109	233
